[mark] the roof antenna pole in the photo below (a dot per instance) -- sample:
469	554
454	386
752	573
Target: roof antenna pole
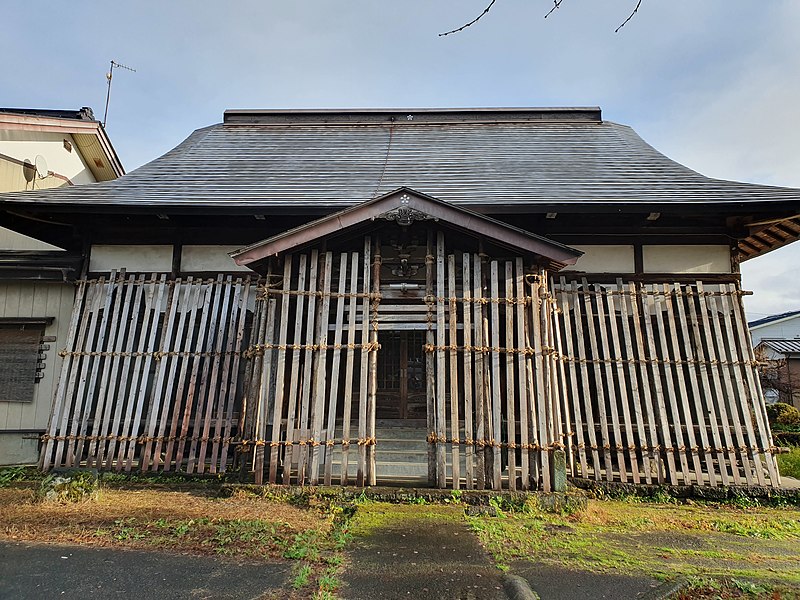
109	76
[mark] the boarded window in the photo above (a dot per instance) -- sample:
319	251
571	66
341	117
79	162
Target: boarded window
19	359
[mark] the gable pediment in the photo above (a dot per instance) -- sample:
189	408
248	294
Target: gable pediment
406	207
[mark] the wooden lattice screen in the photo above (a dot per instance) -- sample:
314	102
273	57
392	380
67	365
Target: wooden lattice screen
312	392
660	384
492	398
150	375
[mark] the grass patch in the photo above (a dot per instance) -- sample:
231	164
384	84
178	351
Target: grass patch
789	464
661	540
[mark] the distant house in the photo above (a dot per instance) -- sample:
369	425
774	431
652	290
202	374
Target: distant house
39	150
777	342
453	297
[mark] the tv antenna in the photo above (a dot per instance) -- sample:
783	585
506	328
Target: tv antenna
109	76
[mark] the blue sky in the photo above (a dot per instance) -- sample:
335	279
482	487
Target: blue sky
712	84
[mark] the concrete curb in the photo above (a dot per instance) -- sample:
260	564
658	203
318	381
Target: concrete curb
518	588
666	590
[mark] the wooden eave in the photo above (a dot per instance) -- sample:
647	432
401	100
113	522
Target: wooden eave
422	206
769	235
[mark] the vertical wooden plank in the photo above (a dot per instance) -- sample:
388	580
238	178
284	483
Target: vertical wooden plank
511	351
430	358
197	364
361	474
265	391
193	307
62	401
101	396
680	326
469	432
350	367
573	394
756	408
539	397
210	364
89	347
726	410
162	362
141	393
621	388
333	398
497	399
561	380
480	371
549	427
684	420
127	433
653	307
222	432
98	368
441	448
707	405
218	359
122	393
184	308
636	398
455	427
591	425
598	376
707	318
292	437
749	457
110	392
304	428
280	376
319	378
644	362
373	362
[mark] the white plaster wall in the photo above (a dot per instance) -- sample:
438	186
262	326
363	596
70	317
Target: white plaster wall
148	259
11	240
687	259
28	144
209	258
604	259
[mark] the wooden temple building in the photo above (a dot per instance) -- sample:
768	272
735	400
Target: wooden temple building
444	297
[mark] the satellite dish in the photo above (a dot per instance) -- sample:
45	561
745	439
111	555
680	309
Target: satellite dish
28	170
41	167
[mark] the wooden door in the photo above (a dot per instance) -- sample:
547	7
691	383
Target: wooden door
401	375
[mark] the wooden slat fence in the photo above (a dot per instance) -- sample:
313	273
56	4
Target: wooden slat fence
150	375
313	378
494	387
660	383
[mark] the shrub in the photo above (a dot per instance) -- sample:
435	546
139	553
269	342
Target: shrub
783	413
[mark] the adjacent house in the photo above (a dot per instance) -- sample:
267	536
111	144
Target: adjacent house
466	298
39	149
777	342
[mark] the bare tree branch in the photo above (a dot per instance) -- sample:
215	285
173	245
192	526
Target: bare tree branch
630	16
556	6
475	20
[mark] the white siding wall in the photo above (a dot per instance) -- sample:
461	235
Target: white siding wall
34	299
786	329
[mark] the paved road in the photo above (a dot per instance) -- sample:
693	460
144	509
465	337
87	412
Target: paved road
42	572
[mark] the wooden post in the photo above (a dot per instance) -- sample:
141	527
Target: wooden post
441	448
480	371
373	362
430	360
497	419
454	387
349	371
361	474
319	378
337	359
469	434
511	350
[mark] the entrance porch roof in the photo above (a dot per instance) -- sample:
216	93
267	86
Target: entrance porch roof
405	206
